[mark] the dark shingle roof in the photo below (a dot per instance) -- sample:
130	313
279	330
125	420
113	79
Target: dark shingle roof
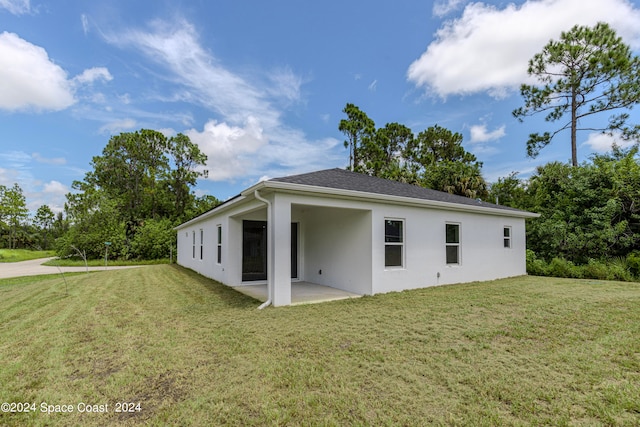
347	180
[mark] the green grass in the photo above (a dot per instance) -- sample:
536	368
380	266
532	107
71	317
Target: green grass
76	262
522	351
15	255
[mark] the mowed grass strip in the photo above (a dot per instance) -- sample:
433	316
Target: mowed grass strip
190	351
16	255
77	262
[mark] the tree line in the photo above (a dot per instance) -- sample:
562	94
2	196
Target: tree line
137	191
434	158
139	188
590	213
16	231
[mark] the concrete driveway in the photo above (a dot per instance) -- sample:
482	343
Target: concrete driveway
34	267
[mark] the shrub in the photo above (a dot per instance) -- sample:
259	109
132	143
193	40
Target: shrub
93	243
633	260
153	239
595	270
619	270
535	266
560	267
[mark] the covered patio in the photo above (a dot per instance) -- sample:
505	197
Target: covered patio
308	252
301	293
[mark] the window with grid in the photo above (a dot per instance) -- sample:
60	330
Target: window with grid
452	246
201	243
219	254
193	234
507	237
393	242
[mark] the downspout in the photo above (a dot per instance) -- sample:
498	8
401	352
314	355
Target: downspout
269	254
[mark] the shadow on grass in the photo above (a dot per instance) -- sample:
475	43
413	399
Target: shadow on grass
224	293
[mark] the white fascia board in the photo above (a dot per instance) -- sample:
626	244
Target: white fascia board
249	192
408	201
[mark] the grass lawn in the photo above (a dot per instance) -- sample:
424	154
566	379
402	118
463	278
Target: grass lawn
15	255
76	262
520	351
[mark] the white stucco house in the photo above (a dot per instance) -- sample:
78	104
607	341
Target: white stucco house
354	232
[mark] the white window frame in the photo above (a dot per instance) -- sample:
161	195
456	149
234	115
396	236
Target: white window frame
193	235
219	244
457	245
400	244
507	235
201	244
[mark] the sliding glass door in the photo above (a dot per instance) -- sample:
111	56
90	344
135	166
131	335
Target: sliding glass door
254	250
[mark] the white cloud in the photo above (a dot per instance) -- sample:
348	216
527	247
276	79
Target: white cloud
99	98
49	161
15	159
239	151
230	149
55	188
119	116
291	152
602	142
17	7
488	49
90	75
479	133
52	194
29	80
442	8
373	85
484	151
286	85
19	170
248	137
6	177
118	126
85	23
176	47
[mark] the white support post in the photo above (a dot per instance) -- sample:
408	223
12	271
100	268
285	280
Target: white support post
280	263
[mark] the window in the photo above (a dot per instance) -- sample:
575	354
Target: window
393	242
219	244
193	234
453	243
507	237
201	243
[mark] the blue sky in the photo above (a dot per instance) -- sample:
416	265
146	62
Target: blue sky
260	85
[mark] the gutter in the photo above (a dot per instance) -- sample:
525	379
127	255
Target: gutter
269	254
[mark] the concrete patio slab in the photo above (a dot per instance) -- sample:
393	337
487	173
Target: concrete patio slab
301	293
